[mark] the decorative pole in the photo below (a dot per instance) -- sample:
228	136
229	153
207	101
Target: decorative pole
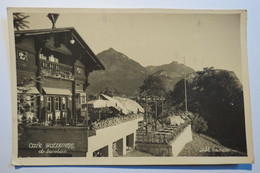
86	116
156	114
185	86
53	18
146	115
99	114
162	110
162	104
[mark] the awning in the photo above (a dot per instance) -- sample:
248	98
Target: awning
57	91
29	90
101	103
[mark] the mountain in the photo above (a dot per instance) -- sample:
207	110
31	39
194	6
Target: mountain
126	75
121	73
172	70
170	73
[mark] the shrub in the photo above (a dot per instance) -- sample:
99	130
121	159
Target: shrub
198	124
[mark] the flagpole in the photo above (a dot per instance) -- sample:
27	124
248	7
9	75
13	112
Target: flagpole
185	86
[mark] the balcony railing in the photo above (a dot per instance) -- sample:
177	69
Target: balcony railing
56	70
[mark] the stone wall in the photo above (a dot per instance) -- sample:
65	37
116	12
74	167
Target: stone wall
171	149
179	143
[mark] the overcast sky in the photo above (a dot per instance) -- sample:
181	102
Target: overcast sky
154	39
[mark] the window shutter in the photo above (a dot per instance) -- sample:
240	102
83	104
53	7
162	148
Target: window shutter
45	106
66	103
60	103
45	102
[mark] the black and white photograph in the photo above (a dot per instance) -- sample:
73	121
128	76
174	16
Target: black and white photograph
129	87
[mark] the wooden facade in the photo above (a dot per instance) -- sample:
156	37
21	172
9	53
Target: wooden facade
58	62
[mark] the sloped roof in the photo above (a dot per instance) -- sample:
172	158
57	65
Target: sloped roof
124	104
101	103
96	64
130	105
118	105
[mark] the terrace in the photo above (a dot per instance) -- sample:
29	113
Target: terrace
168	139
113	121
162	136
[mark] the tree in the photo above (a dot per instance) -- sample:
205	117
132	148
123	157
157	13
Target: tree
153	85
19	21
25	97
199	125
217	96
110	91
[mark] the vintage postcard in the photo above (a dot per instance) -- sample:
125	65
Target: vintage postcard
129	87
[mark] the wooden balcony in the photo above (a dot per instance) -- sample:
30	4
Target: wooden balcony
56	70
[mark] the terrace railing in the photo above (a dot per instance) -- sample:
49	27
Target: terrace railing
114	121
163	136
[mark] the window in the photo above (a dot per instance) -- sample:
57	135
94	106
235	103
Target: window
18	105
28	102
83	98
57	103
22	55
32	103
49	104
64	106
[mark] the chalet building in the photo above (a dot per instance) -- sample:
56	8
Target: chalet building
52	75
58	62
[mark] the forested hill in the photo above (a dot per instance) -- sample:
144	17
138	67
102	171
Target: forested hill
126	75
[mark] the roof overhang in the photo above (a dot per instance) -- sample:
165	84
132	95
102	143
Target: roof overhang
88	56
